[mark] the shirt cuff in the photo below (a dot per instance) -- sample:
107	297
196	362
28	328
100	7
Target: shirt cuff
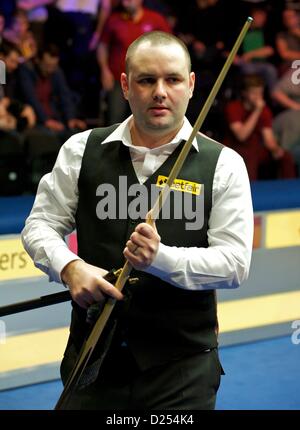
165	262
59	259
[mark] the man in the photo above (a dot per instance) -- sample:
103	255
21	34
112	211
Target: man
164	353
122	28
288	41
258	49
44	87
20	116
286	125
250	133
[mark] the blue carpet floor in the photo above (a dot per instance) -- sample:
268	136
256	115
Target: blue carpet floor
260	375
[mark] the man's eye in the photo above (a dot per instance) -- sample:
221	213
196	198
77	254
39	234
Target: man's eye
173	80
146	81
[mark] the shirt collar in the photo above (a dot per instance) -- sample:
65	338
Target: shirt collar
122	133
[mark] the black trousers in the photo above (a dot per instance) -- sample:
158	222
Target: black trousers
188	383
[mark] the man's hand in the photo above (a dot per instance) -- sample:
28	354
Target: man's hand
142	246
29	114
86	283
54	125
259	104
76	123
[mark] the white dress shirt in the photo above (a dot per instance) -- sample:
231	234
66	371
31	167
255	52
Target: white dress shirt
224	264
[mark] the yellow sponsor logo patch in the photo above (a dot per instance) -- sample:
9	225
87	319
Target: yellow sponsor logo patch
15	263
180	185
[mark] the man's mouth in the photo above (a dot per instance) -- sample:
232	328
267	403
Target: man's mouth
158	110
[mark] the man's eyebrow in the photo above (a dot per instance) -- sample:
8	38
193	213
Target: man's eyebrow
145	75
154	75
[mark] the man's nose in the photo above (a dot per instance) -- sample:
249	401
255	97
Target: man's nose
159	91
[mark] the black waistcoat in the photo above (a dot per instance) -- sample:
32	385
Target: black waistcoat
163	321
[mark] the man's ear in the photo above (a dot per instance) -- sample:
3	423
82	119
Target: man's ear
192	83
124	85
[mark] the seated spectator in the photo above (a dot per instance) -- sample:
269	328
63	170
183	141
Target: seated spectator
258	50
250	133
18	116
20	35
288	41
14	119
15	116
44	87
10	55
286	125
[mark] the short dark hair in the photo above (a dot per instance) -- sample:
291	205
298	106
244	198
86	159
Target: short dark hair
156	38
51	49
7	47
252	81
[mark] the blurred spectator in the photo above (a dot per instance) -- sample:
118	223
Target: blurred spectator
258	50
7	120
11	55
122	28
293	4
78	24
75	27
16	116
12	166
105	9
250	133
37	15
288	41
19	34
16	119
44	87
195	30
19	117
286	125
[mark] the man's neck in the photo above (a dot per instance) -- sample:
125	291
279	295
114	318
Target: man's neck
140	138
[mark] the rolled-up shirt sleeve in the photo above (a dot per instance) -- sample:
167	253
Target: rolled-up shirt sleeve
53	214
225	262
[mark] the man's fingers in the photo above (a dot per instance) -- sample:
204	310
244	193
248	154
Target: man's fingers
110	289
83	299
98	295
134	260
135	242
145	230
